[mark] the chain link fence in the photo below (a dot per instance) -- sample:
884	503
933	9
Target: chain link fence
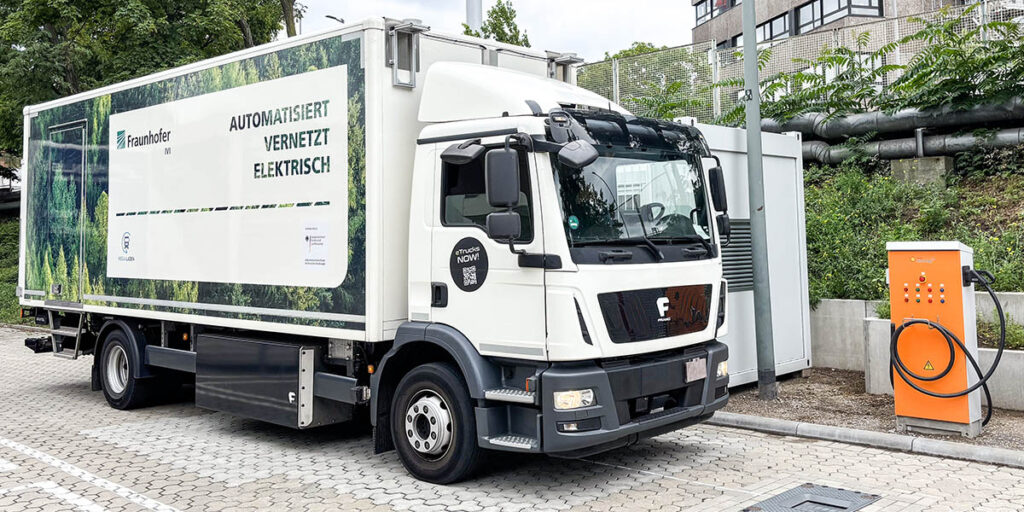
682	80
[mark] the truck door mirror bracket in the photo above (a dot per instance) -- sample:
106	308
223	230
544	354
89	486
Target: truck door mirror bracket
464	153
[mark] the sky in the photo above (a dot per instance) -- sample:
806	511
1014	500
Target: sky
587	27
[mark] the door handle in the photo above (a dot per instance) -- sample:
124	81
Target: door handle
438	295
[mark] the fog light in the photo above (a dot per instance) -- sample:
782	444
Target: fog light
579	426
723	369
573	399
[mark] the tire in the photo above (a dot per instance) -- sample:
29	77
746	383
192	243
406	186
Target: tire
435	391
117	366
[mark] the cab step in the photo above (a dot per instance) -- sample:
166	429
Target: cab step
515	442
70	333
513	395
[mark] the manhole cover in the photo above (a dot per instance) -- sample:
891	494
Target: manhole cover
815	498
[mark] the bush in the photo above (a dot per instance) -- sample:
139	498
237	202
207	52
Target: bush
9	309
851	214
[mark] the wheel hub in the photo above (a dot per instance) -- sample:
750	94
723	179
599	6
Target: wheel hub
117	370
428	424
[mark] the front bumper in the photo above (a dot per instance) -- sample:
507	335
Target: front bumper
636	398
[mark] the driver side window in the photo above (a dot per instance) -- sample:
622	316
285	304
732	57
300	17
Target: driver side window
464	196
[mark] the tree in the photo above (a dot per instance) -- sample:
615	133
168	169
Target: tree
500	26
288	12
637	48
50	49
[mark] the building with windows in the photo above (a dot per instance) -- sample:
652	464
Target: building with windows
722	20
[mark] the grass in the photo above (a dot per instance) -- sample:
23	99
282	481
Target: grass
9	309
988	333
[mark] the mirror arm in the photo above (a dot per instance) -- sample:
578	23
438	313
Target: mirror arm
540	145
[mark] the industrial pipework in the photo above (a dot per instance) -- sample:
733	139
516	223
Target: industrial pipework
932	145
819	126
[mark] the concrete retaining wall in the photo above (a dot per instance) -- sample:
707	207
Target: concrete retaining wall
1006	385
837	333
847	334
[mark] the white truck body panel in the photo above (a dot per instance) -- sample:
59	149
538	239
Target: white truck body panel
390	131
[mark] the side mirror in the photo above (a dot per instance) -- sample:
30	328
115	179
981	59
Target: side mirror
716	179
577	154
503	226
501	178
462	154
724	228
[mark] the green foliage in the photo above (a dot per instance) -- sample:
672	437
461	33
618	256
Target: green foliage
839	81
883	309
50	49
9	309
961	63
648	88
637	48
851	214
500	25
988	332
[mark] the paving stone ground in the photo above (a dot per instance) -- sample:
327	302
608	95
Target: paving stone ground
63	448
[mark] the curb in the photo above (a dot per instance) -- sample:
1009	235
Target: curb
23	327
919	445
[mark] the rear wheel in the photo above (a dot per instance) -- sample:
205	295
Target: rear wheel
433	425
118	365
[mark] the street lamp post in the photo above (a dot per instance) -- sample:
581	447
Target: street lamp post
767	387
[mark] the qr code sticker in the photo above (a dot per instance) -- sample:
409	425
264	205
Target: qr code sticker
469	276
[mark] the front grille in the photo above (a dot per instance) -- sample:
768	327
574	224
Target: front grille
653	313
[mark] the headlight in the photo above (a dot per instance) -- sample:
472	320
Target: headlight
723	369
573	399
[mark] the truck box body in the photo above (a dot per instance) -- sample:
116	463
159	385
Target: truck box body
267	189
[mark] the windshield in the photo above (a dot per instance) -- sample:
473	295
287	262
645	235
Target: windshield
632	195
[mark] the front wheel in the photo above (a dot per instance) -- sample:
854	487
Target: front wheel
433	425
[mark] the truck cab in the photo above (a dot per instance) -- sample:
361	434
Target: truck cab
568	253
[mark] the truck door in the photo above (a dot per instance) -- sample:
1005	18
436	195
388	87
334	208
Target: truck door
64	164
495	303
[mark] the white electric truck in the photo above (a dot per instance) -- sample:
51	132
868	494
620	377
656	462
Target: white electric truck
434	233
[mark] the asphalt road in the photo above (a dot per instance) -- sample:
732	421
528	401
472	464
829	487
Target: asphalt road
63	448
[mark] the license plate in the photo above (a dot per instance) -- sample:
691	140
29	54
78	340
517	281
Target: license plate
696	369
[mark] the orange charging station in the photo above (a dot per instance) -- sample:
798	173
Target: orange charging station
928	285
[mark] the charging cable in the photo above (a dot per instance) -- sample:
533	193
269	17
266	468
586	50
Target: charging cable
985	279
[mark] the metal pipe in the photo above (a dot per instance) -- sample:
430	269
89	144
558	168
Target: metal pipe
474	14
767	387
906	121
932	145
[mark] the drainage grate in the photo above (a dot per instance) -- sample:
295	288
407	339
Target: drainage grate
815	498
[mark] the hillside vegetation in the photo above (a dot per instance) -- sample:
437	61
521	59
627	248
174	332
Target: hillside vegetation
9	312
854	208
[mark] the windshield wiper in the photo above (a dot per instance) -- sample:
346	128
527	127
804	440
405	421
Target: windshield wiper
692	238
639	241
